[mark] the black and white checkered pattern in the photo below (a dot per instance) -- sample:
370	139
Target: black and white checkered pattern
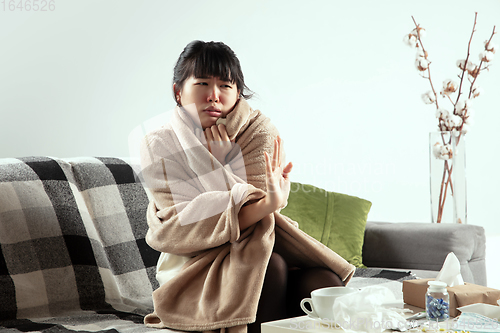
72	238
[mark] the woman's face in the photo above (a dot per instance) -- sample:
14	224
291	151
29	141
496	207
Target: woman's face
213	98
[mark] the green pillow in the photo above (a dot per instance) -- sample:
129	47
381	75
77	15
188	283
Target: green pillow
336	220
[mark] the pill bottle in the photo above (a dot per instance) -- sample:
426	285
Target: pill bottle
437	301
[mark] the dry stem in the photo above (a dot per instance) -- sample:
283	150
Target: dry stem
466	61
429	65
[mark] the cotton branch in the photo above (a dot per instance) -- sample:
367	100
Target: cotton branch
425	56
467	60
481	63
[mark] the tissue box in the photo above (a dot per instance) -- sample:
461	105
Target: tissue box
414	294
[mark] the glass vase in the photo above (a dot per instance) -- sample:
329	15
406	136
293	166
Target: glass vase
447	177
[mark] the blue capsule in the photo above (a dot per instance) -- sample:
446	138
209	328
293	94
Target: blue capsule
437	308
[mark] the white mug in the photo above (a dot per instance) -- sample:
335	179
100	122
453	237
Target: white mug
321	301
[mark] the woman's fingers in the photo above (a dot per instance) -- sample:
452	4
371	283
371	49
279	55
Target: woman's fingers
219	143
269	170
280	143
209	137
223	132
277	175
209	134
287	170
275	155
215	133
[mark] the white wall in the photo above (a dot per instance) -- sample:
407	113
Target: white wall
334	76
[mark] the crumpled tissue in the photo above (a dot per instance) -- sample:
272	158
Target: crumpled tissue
364	311
450	272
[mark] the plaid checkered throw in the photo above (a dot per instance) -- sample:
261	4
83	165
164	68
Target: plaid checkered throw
72	244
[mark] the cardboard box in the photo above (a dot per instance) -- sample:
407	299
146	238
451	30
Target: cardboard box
414	294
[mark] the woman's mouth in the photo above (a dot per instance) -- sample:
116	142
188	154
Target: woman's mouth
212	112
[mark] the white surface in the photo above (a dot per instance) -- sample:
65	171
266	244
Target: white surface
307	324
334	76
492	266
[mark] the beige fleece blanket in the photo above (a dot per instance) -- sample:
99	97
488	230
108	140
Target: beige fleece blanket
194	212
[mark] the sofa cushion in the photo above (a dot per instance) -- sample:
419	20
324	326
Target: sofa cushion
72	238
335	219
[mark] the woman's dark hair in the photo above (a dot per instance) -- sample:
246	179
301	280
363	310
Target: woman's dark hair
205	59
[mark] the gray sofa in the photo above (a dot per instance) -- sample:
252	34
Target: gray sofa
73	255
423	247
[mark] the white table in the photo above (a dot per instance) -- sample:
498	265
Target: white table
305	324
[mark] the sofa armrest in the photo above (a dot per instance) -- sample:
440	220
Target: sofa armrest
425	246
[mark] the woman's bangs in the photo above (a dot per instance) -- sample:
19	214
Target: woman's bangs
212	64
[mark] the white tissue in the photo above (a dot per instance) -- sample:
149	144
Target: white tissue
450	272
364	311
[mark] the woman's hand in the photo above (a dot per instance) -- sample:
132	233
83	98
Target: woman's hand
218	142
277	178
278	188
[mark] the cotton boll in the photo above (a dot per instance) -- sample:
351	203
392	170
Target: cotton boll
486	56
442	113
445	152
449	86
450	123
419	31
436	150
428	97
422	64
477	90
462	106
461	64
410	40
472	69
454	121
471	66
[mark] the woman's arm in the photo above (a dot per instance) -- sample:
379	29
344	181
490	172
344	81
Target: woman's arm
277	185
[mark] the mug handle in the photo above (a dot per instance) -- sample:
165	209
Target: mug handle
310	313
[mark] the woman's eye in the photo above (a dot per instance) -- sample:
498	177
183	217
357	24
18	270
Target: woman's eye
201	84
227	86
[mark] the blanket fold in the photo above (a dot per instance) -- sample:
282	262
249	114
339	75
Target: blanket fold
194	212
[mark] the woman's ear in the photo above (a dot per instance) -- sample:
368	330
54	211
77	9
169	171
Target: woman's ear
177	94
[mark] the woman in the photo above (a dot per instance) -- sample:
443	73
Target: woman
218	180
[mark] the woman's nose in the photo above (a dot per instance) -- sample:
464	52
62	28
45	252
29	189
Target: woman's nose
214	95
